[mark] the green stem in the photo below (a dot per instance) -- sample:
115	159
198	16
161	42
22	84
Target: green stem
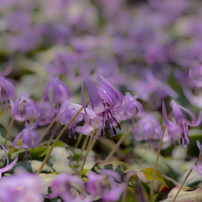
185	179
156	163
157	158
82	149
49	126
78	141
56	140
117	145
89	146
9	130
53	133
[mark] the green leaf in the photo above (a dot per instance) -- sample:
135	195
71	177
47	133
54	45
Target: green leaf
148	172
39	151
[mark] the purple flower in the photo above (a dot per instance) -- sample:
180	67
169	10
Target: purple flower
180	121
7	90
148	128
63	186
47	113
56	91
153	90
21	187
131	108
97	185
104	101
29	138
8	166
29	108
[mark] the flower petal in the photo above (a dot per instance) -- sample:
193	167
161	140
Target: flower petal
94	96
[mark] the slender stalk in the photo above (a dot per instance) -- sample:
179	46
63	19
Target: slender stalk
49	126
156	163
89	146
82	149
78	141
56	140
9	130
53	133
185	179
117	145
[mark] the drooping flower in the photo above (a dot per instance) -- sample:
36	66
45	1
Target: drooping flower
47	113
104	101
97	185
66	113
131	108
8	166
29	138
21	187
56	91
29	108
180	120
7	89
148	128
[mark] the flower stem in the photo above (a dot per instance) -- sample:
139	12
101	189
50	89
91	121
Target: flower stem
49	126
117	145
9	130
185	179
155	166
82	149
56	140
53	133
89	146
157	158
78	141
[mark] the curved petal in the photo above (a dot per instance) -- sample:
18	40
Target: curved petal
94	96
112	92
165	118
8	167
179	116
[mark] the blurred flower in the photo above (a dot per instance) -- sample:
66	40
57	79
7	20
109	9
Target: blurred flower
97	185
180	121
131	108
66	112
65	186
21	187
195	100
29	138
153	89
7	90
148	128
47	113
196	76
24	108
56	91
8	166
